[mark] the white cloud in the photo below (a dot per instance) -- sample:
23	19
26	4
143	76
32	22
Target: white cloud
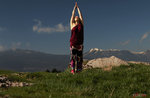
39	28
2	48
16	45
125	42
144	36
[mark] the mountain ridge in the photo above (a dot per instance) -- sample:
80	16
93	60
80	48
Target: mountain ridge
30	60
126	55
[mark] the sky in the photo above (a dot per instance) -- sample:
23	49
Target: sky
43	25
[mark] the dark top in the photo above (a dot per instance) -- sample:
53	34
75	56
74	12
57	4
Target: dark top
77	35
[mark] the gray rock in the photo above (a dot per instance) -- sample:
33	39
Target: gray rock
4	82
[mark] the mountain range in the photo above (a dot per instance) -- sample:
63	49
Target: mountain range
29	60
122	54
23	60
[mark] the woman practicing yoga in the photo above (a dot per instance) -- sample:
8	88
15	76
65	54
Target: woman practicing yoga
76	40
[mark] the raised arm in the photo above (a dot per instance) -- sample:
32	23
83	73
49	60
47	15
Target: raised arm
80	15
73	15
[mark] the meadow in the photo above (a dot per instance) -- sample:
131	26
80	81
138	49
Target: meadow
121	82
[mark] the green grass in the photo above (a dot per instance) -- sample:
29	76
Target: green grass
6	72
120	82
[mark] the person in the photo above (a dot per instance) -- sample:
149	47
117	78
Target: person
76	40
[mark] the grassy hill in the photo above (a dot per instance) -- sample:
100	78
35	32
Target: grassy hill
120	82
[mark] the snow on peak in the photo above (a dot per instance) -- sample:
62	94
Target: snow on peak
95	49
137	52
113	50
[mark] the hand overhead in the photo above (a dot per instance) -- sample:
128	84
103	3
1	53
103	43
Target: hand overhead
76	5
73	15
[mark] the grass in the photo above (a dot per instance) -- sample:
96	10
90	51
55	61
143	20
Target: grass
120	82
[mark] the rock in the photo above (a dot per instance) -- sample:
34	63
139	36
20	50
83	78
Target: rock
105	62
30	84
2	79
21	84
13	84
4	82
24	84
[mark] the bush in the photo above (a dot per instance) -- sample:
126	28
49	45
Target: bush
55	71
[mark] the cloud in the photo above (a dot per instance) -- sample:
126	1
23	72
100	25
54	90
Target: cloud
2	48
144	36
15	45
39	28
125	43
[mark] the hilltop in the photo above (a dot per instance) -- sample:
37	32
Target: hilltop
120	82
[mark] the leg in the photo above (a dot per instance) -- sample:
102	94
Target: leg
72	62
72	59
79	60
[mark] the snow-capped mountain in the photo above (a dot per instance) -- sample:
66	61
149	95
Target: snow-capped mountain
122	54
97	50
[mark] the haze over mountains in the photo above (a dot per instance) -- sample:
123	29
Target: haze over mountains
30	60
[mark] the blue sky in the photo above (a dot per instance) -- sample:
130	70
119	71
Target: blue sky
43	25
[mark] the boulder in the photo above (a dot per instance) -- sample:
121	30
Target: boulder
105	62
